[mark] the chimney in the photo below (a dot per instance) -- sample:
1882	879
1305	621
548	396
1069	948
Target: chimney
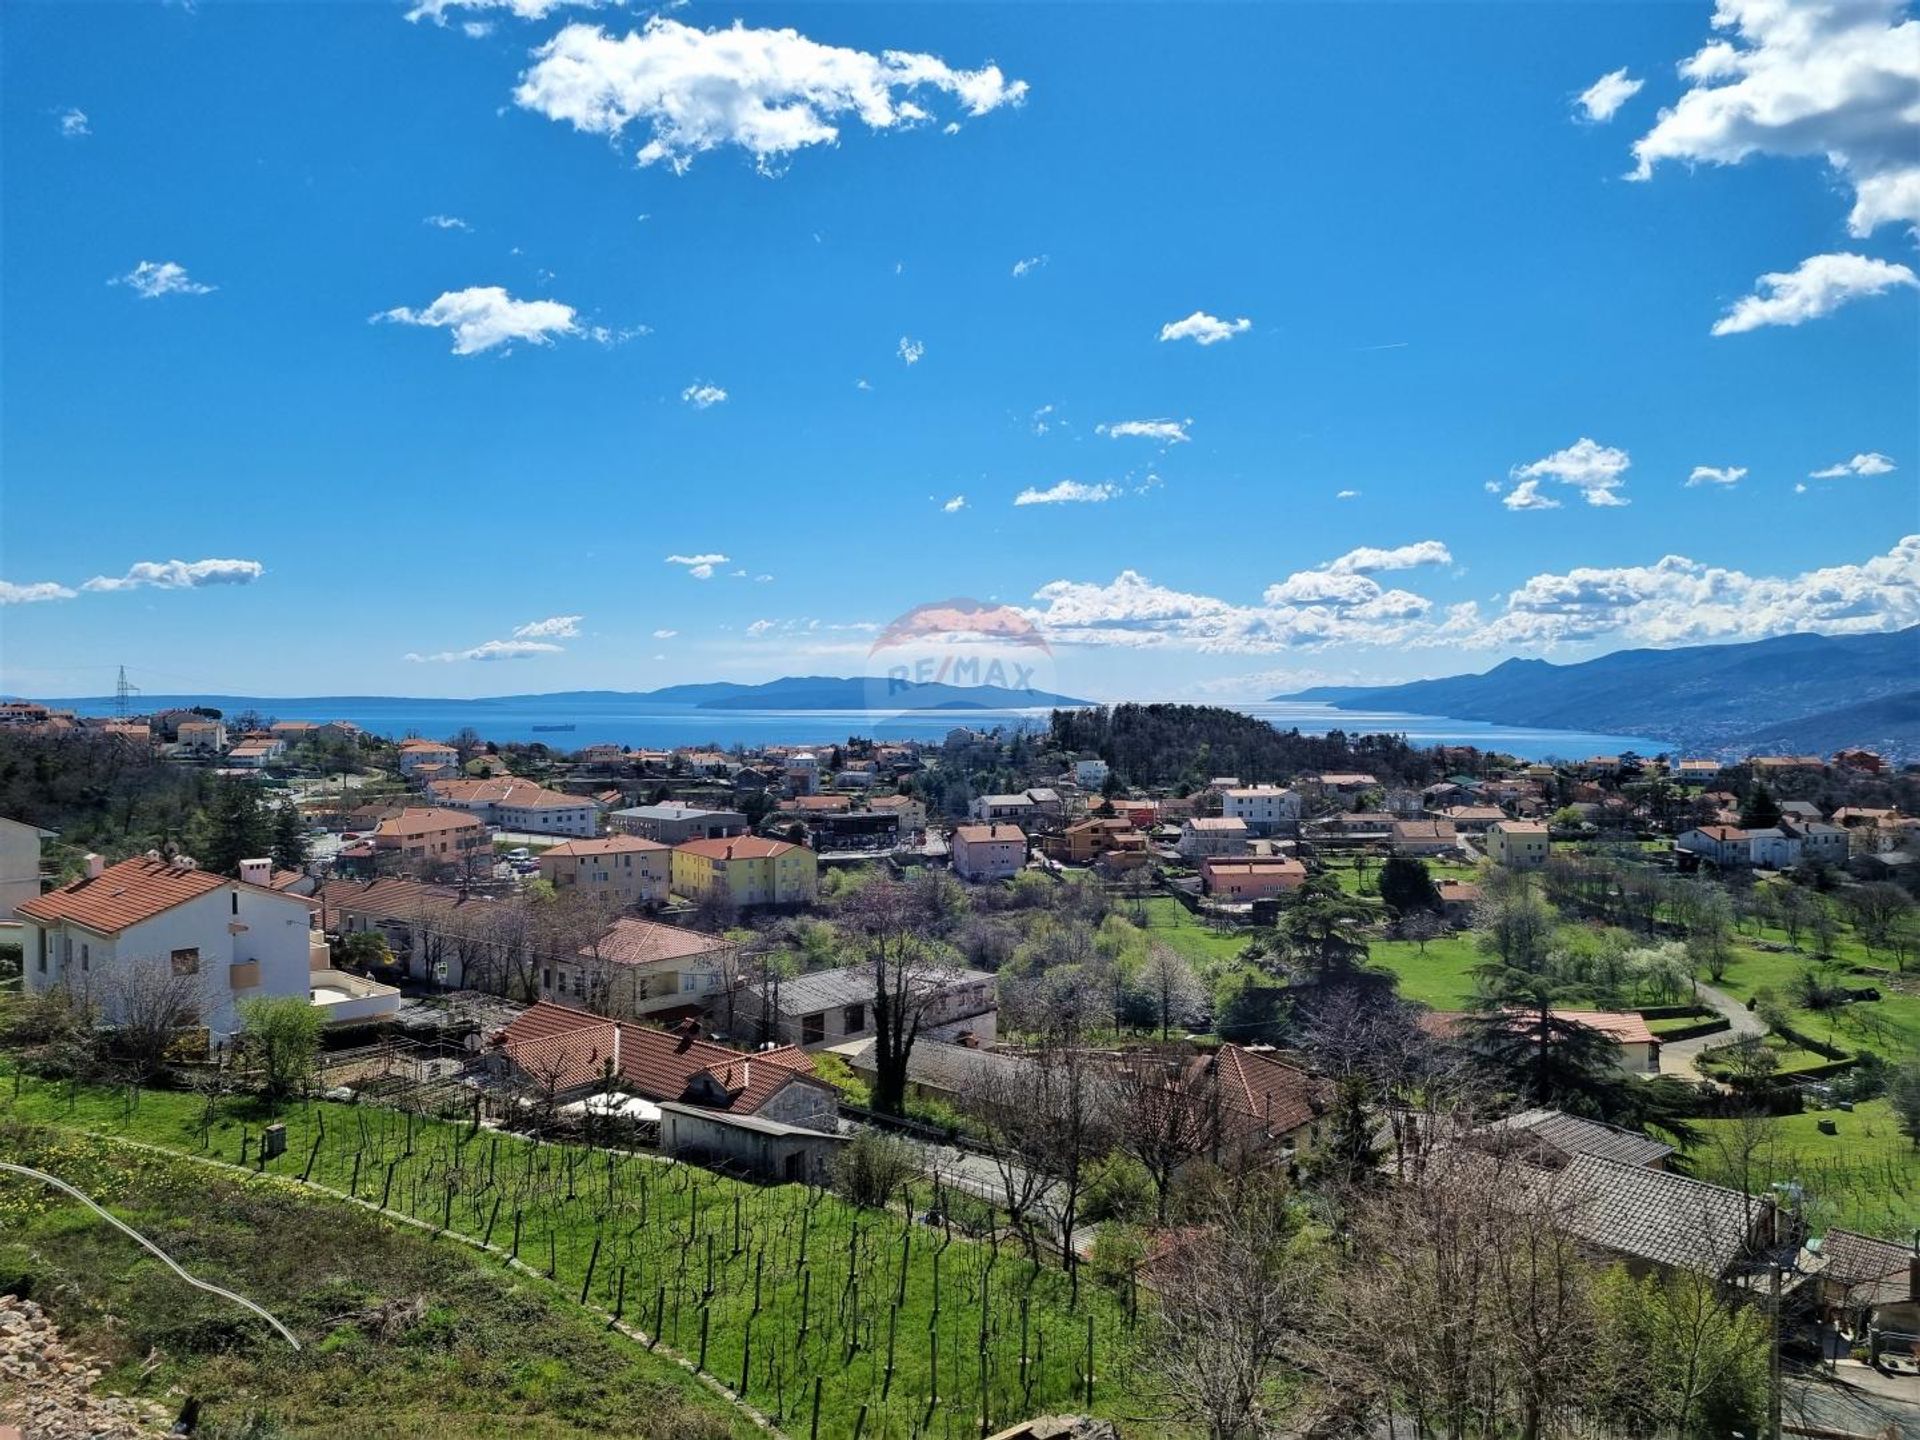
687	1029
95	864
257	872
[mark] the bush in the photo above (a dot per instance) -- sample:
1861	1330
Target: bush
281	1036
1117	1253
1119	1189
872	1167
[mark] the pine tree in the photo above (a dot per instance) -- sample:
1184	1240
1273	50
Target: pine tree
234	827
1761	812
291	849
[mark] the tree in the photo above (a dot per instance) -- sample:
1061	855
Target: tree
1166	1114
890	924
1236	1296
152	1005
233	828
1682	1357
1407	886
281	1035
1877	911
870	1169
1168	981
1420	926
290	848
1903	1091
1323	929
1761	812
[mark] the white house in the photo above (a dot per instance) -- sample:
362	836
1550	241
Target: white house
202	735
522	805
1090	774
19	863
154	919
1267	809
1203	835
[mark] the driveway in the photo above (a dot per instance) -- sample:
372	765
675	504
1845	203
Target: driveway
1677	1056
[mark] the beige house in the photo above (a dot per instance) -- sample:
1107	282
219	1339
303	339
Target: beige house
1424	837
1244	879
621	869
989	852
1518	844
423	838
202	736
1204	835
746	870
641	968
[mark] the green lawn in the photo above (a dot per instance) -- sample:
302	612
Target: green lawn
401	1336
1442	977
1789	1057
1866	1177
1169	922
1889	1026
1351	880
785	1281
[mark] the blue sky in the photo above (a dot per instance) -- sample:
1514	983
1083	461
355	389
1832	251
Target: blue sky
1478	372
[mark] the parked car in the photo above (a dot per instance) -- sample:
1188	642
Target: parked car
518	854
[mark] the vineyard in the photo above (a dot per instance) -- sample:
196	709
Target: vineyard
833	1321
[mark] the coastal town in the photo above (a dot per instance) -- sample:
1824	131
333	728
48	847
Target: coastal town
1061	981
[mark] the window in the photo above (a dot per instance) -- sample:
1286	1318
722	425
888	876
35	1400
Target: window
853	1019
187	961
813	1028
579	984
236	902
546	979
41	950
86	954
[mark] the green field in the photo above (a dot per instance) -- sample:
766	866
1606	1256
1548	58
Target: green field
1442	977
1889	1026
1866	1177
401	1336
1343	869
1170	923
787	1284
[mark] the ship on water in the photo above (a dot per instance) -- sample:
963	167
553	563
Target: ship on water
549	729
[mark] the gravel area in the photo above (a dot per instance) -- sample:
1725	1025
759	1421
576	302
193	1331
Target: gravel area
47	1389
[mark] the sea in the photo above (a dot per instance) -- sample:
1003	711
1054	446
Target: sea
642	724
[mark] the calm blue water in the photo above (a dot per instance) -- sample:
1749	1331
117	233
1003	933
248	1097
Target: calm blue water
643	725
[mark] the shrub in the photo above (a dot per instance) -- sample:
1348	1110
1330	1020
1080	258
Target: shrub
1117	1252
1120	1189
872	1167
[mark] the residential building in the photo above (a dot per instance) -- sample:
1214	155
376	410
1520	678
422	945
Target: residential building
152	921
746	870
563	1052
1472	819
1267	809
1049	807
1092	840
202	736
803	773
1800	811
641	967
421	839
1457	898
255	754
750	1144
1570	1135
1204	835
1343	789
435	933
621	870
416	753
1828	844
1090	773
1254	878
1868	1288
1698	772
936	1070
1639	1047
1424	837
1773	848
1264	1101
1518	844
19	863
910	814
294	731
988	852
1656	1220
522	805
1014	809
832	1007
672	824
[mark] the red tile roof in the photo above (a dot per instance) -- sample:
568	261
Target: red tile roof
569	1048
130	892
1257	1088
604	845
633	941
739	847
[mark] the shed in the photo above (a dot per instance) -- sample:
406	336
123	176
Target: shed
770	1149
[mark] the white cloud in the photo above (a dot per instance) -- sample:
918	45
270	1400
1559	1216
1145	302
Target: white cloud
1871	463
911	350
1204	329
1173	432
1600	100
703	396
554	627
1023	268
477	29
33	593
1829	78
700	567
1042	420
760	627
151	279
862	385
483	316
1821	285
1716	475
1526	496
770	92
665	634
180	575
438	10
958	502
491	650
1067	492
1672	602
1596	471
1369	558
73	124
1347	495
446	222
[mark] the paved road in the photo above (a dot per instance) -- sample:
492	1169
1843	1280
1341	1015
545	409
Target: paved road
1677	1056
1856	1401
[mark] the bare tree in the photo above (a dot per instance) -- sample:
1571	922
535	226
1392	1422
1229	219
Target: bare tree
1072	1129
150	1004
1166	1114
891	925
1001	1106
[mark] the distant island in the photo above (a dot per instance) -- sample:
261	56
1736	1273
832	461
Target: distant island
1802	692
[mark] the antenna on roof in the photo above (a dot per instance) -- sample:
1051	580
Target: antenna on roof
121	690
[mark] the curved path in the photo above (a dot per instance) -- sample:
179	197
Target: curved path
1677	1056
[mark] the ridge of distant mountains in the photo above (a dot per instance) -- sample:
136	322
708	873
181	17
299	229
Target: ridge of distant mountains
828	692
789	692
1792	692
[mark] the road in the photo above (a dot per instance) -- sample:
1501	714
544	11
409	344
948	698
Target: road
1857	1401
979	1176
1677	1056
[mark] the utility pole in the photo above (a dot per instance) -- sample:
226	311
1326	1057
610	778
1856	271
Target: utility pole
121	691
1773	1360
